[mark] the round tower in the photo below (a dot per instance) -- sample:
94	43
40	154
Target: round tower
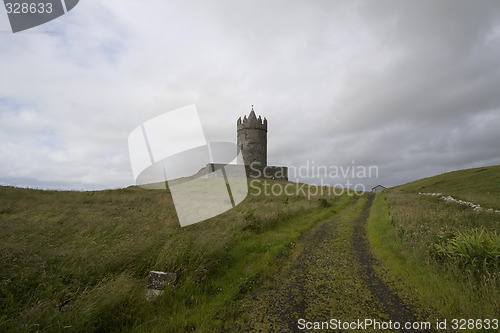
252	140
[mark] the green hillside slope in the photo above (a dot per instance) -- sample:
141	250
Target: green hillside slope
79	261
478	185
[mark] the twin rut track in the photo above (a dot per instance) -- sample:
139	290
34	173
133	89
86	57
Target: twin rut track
330	275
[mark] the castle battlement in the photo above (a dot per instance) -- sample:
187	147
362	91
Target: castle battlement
252	122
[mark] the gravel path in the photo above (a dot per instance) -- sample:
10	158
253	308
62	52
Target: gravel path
329	275
391	304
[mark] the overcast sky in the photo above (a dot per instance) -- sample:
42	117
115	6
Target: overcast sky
412	87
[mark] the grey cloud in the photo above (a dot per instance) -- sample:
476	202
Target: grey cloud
409	86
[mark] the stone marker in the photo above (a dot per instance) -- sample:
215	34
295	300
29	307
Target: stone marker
159	280
157	283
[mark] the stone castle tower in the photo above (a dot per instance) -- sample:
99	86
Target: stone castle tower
252	140
252	143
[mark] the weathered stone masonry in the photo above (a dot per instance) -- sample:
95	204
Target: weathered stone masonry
252	152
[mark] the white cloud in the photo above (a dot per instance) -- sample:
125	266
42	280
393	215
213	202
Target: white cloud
411	87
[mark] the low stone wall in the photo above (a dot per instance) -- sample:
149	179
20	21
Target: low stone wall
449	198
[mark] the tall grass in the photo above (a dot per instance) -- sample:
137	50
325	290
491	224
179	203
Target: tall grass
80	260
475	251
443	256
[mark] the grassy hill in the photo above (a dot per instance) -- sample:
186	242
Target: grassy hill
446	255
478	185
80	260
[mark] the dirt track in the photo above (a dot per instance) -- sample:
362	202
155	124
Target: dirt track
391	304
330	276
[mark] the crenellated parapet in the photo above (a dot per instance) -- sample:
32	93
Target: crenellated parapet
252	122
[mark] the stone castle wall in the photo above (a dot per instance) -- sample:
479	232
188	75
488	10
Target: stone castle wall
252	140
251	171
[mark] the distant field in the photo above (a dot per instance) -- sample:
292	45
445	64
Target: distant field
444	256
79	261
478	185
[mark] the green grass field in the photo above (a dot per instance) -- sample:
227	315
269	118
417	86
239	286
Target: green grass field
478	185
442	256
79	261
